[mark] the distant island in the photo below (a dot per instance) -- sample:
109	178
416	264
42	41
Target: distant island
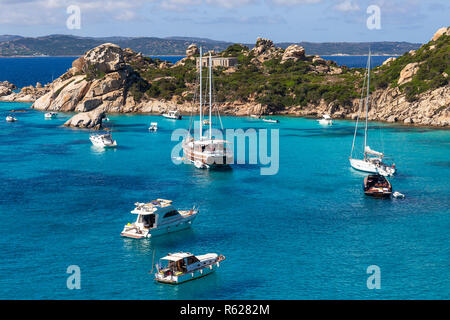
68	45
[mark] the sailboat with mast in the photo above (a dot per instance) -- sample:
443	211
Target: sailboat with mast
373	160
205	152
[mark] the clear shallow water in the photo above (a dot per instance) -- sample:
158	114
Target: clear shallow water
27	71
306	233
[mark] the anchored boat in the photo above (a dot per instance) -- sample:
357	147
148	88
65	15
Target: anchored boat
326	120
50	115
372	161
104	140
377	186
153	126
271	120
172	114
156	218
180	267
10	119
206	152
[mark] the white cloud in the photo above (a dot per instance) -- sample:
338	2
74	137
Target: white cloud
347	5
293	2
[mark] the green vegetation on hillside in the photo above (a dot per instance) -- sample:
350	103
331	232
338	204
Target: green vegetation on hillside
434	63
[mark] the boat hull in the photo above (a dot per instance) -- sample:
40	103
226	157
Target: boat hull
160	230
209	160
179	279
365	166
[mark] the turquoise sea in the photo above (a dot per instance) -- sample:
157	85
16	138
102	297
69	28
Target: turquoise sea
307	232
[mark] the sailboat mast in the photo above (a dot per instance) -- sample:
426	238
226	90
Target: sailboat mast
367	103
210	94
201	122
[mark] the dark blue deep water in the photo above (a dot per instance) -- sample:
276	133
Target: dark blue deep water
307	232
27	71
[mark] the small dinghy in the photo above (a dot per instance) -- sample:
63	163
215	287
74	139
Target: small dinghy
398	195
10	119
377	186
50	115
103	140
156	218
271	120
180	267
153	126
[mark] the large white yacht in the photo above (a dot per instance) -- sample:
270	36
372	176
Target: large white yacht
180	267
156	218
205	151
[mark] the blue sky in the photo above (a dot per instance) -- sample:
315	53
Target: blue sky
230	20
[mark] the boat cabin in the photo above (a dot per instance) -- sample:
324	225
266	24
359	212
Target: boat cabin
181	262
155	213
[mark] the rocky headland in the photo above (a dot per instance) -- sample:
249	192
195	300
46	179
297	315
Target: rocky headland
411	89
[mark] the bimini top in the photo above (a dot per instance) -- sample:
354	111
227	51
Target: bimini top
151	207
177	256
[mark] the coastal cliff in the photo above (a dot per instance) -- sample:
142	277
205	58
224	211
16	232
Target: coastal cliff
411	89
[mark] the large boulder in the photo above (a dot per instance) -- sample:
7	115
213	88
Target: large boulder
408	72
293	52
88	120
105	58
192	50
441	32
6	88
265	50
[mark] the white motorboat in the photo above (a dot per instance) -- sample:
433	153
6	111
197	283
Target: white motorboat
205	152
156	218
326	120
372	160
271	120
172	114
10	119
180	267
104	140
50	115
153	126
398	195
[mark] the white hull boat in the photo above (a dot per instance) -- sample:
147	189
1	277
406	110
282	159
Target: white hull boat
103	140
172	114
326	120
181	267
153	127
206	152
271	120
50	115
10	119
372	161
156	218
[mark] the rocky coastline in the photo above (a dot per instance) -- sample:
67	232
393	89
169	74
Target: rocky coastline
107	79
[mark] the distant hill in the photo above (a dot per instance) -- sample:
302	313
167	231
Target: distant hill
68	45
8	37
